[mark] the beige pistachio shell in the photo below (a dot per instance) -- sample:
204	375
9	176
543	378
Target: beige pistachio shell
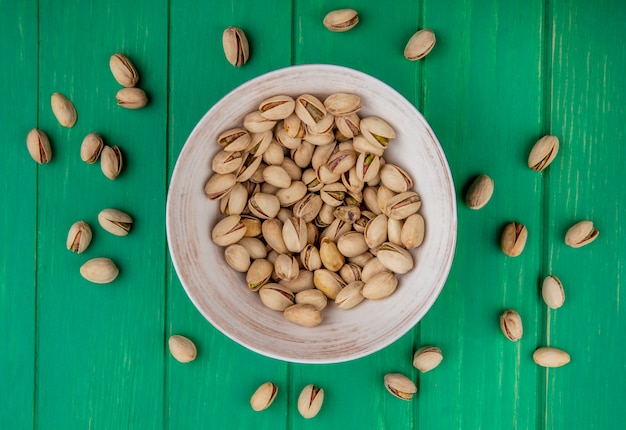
395	178
277	107
328	282
480	192
79	237
277	176
263	396
228	231
286	267
312	297
413	231
341	20
427	358
332	258
304	281
352	244
552	292
272	231
310	258
349	126
276	296
342	104
395	258
377	131
131	98
342	161
350	295
264	206
547	356
543	153
310	401
38	146
350	272
580	234
63	110
309	109
511	325
123	70
380	286
99	270
182	348
304	314
400	386
235	44
513	239
91	148
115	221
237	257
234	140
256	249
420	45
403	205
295	234
371	268
111	162
252	225
259	274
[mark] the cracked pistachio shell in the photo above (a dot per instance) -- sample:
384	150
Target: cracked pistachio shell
63	110
259	143
277	107
322	154
402	205
226	162
348	214
99	270
282	137
351	181
349	126
292	194
333	194
256	249
342	104
371	268
427	358
79	237
513	239
252	224
292	126
350	295
360	224
295	234
131	98
264	206
377	131
111	161
326	216
219	185
326	176
255	122
511	325
328	282
235	201
581	234
383	196
237	257
235	44
313	297
320	139
547	356
304	281
272	231
263	396
274	154
277	176
310	401
552	292
352	244
350	272
38	146
380	286
480	192
309	109
419	45
115	221
400	386
259	274
303	314
182	348
308	207
342	161
375	233
370	198
336	229
331	257
91	148
543	153
341	20
228	230
234	140
395	178
394	231
286	267
395	258
249	167
123	70
276	297
413	231
323	127
367	166
310	258
362	145
361	260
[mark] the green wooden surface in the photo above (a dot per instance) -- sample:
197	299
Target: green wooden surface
78	355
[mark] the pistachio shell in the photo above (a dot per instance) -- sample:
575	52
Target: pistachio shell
419	45
543	153
322	127
403	205
219	185
367	166
371	268
303	314
349	125
263	396
286	267
259	142
252	225
255	122
277	107
310	257
123	70
395	258
274	154
413	230
309	109
480	192
377	131
276	297
375	233
352	244
295	234
229	230
380	286
350	295
331	257
115	221
235	44
308	207
342	161
304	281
333	194
427	358
63	110
182	348
513	239
91	148
361	260
341	104
111	161
328	282
581	234
237	257
256	248
99	270
259	274
312	297
38	146
395	178
310	401
277	176
547	356
341	20
303	154
336	229
79	237
131	98
364	146
264	205
350	272
235	201
552	292
400	386
511	325
234	140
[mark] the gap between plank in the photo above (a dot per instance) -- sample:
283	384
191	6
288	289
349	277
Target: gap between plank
36	262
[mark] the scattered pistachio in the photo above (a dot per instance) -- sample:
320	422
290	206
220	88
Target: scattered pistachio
99	270
79	237
132	98
310	401
427	358
511	325
543	153
480	192
400	386
91	148
513	239
182	348
581	234
38	146
63	110
235	46
341	20
263	396
552	292
547	356
111	161
419	45
123	70
115	221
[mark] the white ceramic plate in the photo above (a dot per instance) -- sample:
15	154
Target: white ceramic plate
221	294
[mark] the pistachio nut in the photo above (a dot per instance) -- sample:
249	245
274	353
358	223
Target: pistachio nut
513	239
361	260
552	292
349	125
227	162
256	248
38	146
99	270
333	194
286	267
413	230
326	216
322	154
182	348
395	258
308	207
342	104
235	44
370	198
419	45
310	258
480	192
115	221
326	176
309	178
304	281
360	224
272	231
395	178
380	286
79	237
400	386
249	167
63	110
123	70
328	282
581	234
263	396
543	153
394	230
237	257
547	356
292	126
427	358
371	268
375	233
367	166
364	146
310	109
341	20
295	234
91	148
235	201
342	161
377	131
263	205
351	181
511	325
310	401
274	154
312	297
350	272
402	205
331	257
255	122
111	161
252	225
282	137
228	230
322	127
234	140
277	107
303	314
348	214
276	297
336	229
383	196
259	142
312	234
277	176
131	98
352	244
350	295
320	138
259	274
219	185
303	154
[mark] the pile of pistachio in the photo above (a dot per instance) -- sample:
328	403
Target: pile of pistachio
311	209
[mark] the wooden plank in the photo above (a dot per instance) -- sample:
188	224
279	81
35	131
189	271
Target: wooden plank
18	218
586	182
374	46
483	98
216	388
100	347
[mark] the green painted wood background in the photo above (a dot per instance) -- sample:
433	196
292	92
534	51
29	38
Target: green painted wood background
78	355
